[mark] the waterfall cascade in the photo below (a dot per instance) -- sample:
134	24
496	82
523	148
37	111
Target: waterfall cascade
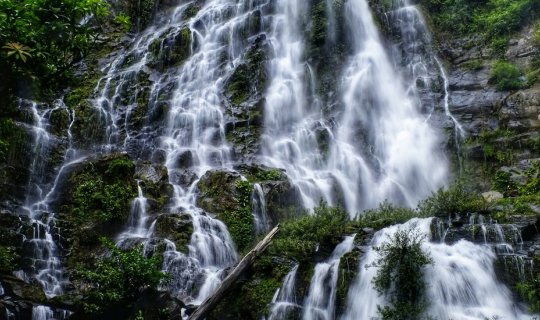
379	144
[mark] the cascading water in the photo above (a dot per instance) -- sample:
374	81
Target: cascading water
420	62
260	215
196	126
399	158
321	298
284	301
45	265
461	280
138	227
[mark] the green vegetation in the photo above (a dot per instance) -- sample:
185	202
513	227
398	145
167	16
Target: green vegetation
95	200
496	145
456	199
518	196
43	39
116	279
386	215
506	76
401	265
494	20
8	259
298	239
240	220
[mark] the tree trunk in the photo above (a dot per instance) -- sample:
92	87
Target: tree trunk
227	284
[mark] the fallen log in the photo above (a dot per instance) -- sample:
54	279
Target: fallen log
210	303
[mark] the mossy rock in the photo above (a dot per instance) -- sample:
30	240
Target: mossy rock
249	78
96	203
218	192
175	227
348	271
22	290
154	180
170	50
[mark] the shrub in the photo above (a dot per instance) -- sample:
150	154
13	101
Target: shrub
50	37
116	279
401	266
299	238
454	200
385	215
506	76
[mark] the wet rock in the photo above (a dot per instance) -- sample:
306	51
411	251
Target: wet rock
217	191
19	289
492	196
157	305
282	200
175	227
151	173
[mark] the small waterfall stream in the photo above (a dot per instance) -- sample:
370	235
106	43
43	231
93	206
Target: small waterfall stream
321	298
46	266
284	300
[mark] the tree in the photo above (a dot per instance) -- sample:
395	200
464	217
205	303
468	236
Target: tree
41	40
400	278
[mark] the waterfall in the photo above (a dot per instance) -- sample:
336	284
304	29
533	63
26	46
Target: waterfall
138	227
382	146
461	280
45	264
284	301
260	216
321	298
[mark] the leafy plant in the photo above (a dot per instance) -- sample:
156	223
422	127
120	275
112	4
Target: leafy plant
385	215
399	276
17	50
299	238
60	32
456	199
506	76
116	278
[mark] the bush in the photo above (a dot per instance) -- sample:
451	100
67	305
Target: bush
506	76
454	200
385	215
95	200
401	266
116	279
299	238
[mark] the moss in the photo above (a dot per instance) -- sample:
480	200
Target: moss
8	259
191	11
177	228
240	220
250	77
170	50
348	271
96	204
473	65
